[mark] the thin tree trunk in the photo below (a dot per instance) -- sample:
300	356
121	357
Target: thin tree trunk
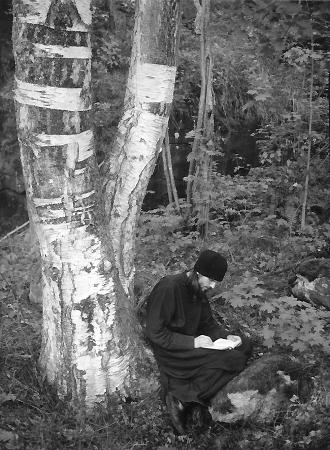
329	119
166	172
204	163
142	129
198	187
198	129
172	179
168	169
304	204
84	350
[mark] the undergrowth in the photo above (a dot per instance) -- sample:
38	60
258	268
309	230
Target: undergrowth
253	299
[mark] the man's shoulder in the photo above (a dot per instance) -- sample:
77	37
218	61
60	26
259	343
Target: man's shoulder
177	279
168	289
174	279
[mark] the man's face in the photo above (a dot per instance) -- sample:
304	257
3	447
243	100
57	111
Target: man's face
206	283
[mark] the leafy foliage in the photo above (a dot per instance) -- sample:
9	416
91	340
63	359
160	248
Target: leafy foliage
31	415
287	321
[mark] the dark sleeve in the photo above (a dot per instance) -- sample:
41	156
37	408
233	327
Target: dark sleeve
163	310
208	325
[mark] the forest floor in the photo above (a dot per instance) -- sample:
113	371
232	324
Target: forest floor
253	299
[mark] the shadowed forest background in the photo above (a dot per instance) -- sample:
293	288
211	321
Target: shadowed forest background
271	131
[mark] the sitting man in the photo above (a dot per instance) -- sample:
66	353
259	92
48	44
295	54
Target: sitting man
181	328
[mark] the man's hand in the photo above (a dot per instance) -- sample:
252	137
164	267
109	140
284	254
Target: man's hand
235	339
202	341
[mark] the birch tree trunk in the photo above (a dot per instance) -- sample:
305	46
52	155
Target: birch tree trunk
88	338
142	129
84	344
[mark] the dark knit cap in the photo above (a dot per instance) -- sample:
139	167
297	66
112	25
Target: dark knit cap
211	264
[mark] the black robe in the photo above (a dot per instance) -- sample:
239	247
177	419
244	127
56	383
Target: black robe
173	320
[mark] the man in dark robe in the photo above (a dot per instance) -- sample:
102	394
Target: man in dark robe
181	328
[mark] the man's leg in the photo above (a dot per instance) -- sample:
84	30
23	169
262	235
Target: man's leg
175	409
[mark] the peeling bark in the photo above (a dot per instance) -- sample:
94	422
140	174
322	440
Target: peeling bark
88	332
142	129
84	348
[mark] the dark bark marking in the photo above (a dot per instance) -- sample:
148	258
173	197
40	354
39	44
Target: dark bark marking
86	308
56	72
63	15
76	221
48	36
76	204
103	300
44	120
160	29
159	108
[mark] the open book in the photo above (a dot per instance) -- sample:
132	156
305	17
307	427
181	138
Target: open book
225	344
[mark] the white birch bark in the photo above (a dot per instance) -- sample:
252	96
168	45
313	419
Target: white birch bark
87	325
142	129
84	346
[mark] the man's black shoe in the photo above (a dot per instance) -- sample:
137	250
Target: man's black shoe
198	417
175	410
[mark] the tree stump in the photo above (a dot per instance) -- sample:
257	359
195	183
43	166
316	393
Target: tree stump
262	392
